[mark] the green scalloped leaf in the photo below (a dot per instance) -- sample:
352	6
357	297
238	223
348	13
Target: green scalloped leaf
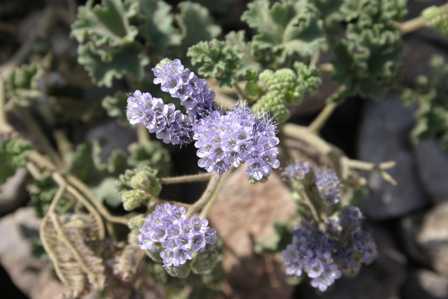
105	24
157	25
123	61
195	23
285	31
22	84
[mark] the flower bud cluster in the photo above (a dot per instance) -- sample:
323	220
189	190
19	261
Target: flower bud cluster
139	186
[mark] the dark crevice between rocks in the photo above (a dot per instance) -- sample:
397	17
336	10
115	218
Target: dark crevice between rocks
9	289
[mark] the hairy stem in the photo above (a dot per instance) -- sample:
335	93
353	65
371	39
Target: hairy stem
207	195
323	117
78	184
313	208
412	25
303	134
61	181
332	102
214	196
143	135
201	177
417	23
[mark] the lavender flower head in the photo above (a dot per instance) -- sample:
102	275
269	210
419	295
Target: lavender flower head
324	254
297	171
164	120
328	185
357	246
310	253
228	140
175	237
183	84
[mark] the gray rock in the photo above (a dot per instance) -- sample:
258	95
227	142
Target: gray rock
425	285
33	276
432	163
382	280
426	238
410	227
384	136
433	238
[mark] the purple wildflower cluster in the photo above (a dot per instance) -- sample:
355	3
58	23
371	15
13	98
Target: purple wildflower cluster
227	140
183	84
297	171
328	185
338	246
311	252
325	255
326	181
174	237
164	120
224	140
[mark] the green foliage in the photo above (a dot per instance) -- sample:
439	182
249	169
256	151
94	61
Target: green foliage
42	192
429	95
116	36
228	61
151	153
156	24
215	59
195	23
107	191
85	162
120	61
367	48
437	17
139	186
284	87
22	84
13	153
115	105
107	47
285	31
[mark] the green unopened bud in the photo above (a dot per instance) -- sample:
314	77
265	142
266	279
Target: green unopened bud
273	105
136	222
146	180
206	261
179	272
133	199
143	178
437	17
163	62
